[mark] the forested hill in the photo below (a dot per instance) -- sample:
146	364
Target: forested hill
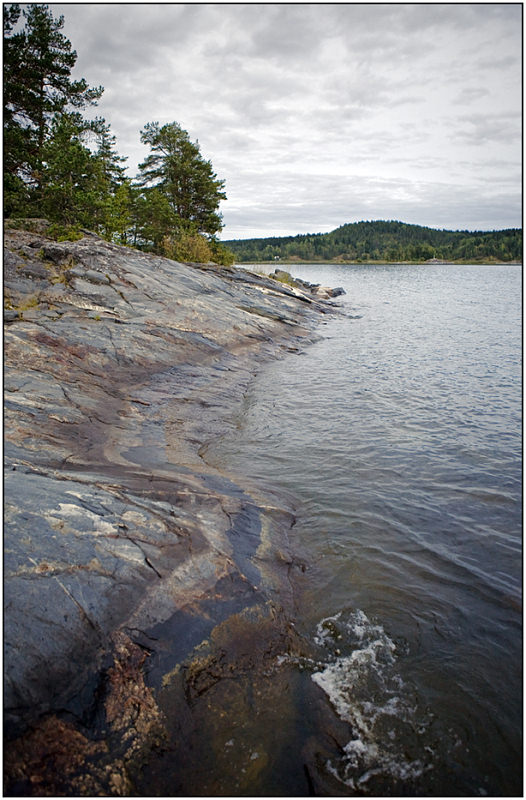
384	242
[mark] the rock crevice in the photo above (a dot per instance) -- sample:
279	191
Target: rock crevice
120	368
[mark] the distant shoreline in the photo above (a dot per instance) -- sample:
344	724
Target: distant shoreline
439	262
384	242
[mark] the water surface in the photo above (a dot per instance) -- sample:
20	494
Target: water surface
398	435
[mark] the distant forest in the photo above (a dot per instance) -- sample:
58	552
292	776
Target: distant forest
384	242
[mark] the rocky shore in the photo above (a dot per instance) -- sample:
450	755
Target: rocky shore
138	580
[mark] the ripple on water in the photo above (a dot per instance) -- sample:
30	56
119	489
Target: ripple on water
399	436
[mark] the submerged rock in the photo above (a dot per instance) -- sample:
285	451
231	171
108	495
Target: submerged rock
124	551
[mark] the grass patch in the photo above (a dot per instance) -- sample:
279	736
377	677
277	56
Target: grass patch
65	233
31	302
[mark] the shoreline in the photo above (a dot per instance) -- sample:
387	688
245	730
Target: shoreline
126	554
439	262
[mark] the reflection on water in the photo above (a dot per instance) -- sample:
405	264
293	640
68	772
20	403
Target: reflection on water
398	435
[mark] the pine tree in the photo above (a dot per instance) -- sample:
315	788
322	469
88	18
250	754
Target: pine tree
111	162
110	180
176	168
18	150
49	60
70	191
37	67
156	220
119	215
60	165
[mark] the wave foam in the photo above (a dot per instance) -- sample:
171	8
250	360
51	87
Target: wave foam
367	693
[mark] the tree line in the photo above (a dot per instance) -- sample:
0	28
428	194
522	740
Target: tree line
60	165
384	241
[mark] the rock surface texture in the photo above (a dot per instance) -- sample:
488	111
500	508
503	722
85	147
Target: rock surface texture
135	574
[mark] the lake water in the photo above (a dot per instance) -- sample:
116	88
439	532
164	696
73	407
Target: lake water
398	438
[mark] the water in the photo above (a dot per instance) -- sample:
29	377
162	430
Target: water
399	437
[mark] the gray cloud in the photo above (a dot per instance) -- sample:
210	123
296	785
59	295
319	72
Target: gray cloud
479	128
423	203
318	114
466	96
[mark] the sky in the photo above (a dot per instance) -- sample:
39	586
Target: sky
316	115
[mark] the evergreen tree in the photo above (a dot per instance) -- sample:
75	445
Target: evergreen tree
176	168
37	67
119	215
156	220
70	191
114	198
17	140
49	60
59	165
111	163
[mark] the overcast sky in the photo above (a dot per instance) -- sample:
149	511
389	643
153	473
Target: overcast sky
316	114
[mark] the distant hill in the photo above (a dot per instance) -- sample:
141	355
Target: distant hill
383	242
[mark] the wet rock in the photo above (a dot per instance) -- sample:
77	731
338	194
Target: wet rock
115	526
56	757
325	292
321	292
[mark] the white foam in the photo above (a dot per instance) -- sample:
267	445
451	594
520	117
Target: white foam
367	693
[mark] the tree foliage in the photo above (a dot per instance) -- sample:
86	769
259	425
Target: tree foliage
68	174
384	241
178	205
62	166
38	60
176	168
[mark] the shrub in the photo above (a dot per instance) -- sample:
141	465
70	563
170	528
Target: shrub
64	233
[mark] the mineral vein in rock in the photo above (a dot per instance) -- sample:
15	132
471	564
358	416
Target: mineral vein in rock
120	367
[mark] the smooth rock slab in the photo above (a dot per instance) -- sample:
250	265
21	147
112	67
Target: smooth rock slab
115	526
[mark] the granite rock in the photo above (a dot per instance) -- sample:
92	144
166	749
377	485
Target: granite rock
120	368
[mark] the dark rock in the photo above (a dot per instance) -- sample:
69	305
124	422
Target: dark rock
115	525
12	261
34	271
281	275
89	275
56	252
325	292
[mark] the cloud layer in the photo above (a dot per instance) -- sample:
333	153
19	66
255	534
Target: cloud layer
319	114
